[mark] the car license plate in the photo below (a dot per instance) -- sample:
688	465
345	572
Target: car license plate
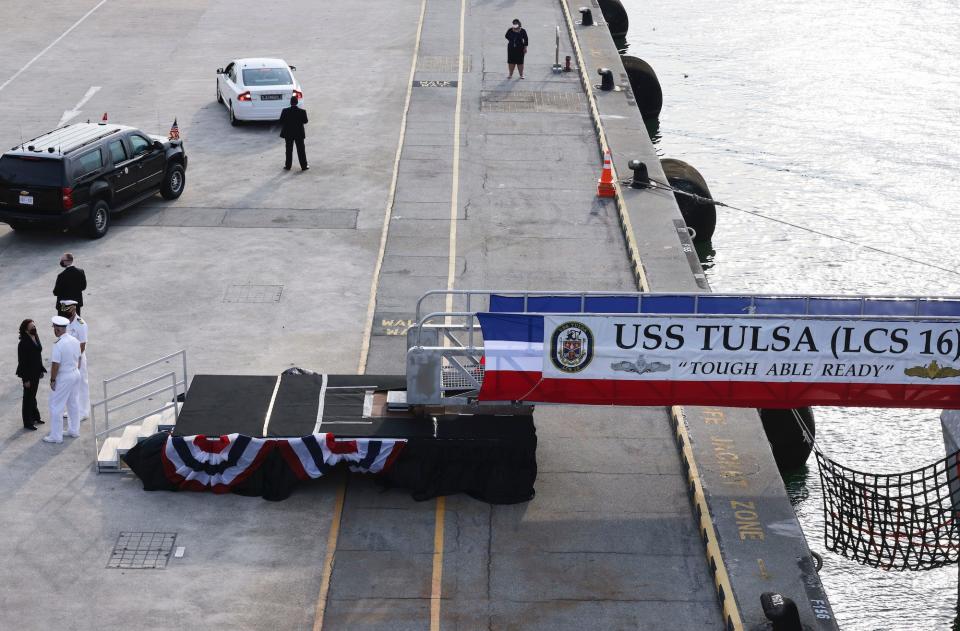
26	200
270	97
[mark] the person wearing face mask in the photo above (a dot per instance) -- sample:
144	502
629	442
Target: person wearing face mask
516	48
64	382
71	282
30	370
78	329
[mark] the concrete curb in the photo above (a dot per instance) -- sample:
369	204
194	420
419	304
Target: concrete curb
731	614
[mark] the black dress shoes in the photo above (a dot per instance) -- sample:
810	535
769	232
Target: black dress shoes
31	428
39	422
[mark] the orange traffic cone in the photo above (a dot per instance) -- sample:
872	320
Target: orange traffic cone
104	119
605	187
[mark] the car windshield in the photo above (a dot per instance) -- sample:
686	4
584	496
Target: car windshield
253	77
29	171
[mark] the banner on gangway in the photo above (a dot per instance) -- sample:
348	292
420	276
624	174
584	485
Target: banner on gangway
751	361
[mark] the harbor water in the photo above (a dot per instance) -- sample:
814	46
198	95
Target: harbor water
833	127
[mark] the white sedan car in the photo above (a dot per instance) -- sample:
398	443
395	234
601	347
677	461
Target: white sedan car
256	89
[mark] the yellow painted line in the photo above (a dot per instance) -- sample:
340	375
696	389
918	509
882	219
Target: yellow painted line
332	538
455	189
732	617
334	534
436	583
731	614
436	587
625	224
391	198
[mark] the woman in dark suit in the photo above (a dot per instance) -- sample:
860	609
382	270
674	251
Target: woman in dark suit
516	47
30	370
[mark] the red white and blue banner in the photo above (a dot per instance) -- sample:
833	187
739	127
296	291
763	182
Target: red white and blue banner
220	463
749	361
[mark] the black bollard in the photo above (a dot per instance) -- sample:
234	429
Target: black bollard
781	611
606	79
641	179
586	16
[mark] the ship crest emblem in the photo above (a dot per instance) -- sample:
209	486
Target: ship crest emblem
571	346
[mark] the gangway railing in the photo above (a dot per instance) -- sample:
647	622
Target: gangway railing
445	347
112	404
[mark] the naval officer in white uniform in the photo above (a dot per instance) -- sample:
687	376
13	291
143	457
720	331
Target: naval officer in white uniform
78	329
64	382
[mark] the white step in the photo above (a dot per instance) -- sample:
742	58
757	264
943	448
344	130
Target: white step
167	419
128	439
148	427
109	458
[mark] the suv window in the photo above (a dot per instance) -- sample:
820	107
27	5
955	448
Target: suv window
88	163
29	171
117	151
139	144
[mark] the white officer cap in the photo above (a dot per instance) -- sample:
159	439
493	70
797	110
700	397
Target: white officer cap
59	321
68	303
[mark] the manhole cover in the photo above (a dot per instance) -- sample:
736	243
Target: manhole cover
520	101
253	293
142	550
451	63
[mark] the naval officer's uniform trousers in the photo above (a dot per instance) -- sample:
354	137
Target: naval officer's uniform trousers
66	392
78	329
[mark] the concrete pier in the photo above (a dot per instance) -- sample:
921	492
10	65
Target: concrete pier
429	169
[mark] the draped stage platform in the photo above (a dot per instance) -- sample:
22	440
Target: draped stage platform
263	435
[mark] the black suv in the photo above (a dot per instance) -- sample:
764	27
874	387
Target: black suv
79	174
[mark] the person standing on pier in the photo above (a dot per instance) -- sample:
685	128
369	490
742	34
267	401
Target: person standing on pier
30	370
71	282
292	120
64	379
78	329
516	48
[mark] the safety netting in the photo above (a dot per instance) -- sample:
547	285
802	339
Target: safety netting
894	521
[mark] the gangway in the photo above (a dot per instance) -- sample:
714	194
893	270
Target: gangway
888	351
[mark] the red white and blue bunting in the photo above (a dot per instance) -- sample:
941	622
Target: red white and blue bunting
220	463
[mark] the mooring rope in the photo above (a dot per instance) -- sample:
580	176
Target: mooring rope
706	200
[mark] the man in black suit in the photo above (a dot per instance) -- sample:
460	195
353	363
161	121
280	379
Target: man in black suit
292	120
71	282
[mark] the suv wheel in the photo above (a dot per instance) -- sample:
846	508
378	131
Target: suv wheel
173	182
99	220
233	119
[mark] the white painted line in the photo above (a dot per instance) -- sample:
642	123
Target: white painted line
67	115
52	44
273	398
323	396
372	303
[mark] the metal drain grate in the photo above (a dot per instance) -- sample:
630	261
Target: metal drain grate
546	102
253	293
142	550
443	63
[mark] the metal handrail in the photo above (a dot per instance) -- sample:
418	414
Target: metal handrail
446	314
149	395
174	388
468	293
110	430
135	388
153	363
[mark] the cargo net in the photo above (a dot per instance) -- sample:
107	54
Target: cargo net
897	521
